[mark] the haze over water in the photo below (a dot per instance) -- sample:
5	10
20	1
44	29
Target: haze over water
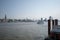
23	31
26	9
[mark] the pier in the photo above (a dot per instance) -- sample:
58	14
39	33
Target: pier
53	30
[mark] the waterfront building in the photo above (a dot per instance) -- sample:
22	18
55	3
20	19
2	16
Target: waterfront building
5	19
50	17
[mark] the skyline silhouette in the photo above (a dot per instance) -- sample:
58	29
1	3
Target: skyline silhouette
32	9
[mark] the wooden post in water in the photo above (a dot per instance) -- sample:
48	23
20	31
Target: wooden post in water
53	23
56	21
49	26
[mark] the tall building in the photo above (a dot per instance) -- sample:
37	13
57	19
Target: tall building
41	19
5	18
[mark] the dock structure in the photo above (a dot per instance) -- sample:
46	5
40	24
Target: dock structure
53	30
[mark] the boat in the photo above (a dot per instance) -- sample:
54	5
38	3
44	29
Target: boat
40	21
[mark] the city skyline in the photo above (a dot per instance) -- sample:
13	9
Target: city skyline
32	9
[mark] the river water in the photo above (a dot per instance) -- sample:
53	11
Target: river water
23	31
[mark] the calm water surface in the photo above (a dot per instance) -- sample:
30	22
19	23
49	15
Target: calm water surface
23	31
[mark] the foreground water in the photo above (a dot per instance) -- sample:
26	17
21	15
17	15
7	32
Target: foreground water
23	31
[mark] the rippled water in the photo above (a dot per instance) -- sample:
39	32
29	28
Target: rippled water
23	31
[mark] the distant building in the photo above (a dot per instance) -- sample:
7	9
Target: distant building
0	20
5	18
45	19
41	19
50	17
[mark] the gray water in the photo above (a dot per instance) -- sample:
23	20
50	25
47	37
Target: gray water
23	31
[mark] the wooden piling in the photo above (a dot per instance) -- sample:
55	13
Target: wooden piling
56	21
52	22
49	26
51	34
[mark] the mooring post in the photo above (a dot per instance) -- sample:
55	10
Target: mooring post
53	23
56	21
49	26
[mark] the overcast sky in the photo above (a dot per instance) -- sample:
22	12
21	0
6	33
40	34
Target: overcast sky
33	9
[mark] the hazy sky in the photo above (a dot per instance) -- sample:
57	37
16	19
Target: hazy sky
30	8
